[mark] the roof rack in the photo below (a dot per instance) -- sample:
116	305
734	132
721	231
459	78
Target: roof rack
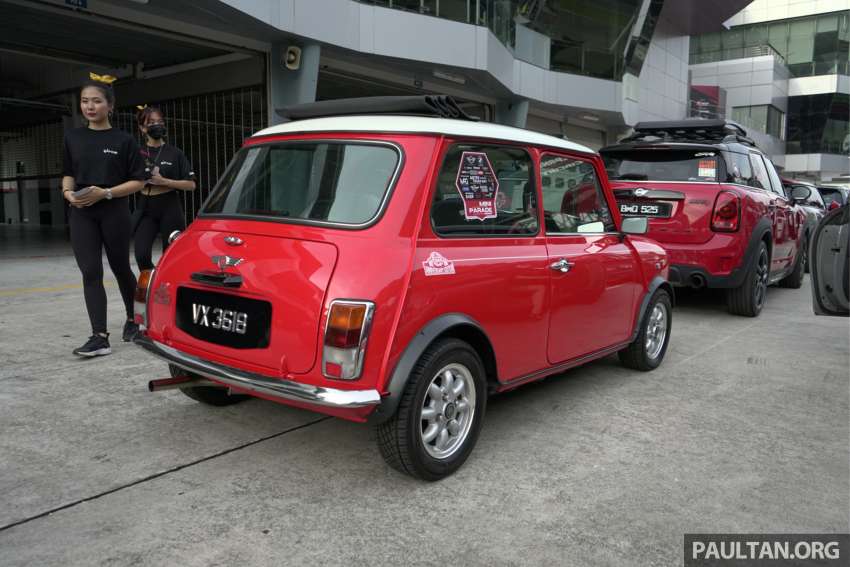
423	105
697	130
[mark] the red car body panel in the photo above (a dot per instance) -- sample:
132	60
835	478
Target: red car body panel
692	243
537	321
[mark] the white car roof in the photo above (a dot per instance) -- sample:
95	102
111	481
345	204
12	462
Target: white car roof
382	123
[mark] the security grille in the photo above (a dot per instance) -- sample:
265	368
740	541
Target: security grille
31	151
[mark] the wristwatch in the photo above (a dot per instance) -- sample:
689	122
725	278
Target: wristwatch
108	194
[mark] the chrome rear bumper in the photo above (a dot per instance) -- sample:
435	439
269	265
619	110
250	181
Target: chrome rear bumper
274	388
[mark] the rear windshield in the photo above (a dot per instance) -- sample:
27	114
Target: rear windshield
335	182
662	165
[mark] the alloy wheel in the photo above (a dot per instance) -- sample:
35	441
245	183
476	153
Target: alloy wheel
656	331
447	411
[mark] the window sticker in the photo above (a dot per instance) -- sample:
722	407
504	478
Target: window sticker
707	168
477	184
438	265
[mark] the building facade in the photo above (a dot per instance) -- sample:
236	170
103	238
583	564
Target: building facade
583	69
783	67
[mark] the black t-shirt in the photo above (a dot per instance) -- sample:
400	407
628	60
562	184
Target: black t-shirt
104	158
172	163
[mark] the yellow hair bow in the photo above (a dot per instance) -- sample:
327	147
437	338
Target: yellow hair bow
141	106
108	79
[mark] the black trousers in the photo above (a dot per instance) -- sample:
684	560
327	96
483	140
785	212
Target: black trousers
104	225
163	214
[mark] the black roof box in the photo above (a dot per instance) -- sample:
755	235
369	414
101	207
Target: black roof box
420	105
693	130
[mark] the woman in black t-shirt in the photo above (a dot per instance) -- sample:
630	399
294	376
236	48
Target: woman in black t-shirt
101	166
168	171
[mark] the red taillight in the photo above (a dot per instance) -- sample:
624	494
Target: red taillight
140	297
345	324
345	338
727	212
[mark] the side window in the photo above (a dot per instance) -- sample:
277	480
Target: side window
760	178
738	169
775	182
485	191
572	196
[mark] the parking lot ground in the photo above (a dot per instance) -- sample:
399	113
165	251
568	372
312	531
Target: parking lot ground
744	428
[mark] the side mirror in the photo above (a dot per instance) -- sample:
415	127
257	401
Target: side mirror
799	193
634	225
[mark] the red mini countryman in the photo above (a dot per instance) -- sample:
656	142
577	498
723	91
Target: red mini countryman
717	206
398	269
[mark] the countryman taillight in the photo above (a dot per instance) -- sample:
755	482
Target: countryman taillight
727	212
346	334
140	298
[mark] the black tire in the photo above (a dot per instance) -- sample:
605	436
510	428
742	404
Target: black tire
400	439
794	280
211	396
748	299
637	355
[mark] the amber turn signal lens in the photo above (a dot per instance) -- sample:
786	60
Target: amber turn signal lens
142	285
345	323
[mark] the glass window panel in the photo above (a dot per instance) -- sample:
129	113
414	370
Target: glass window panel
827	23
778	37
572	196
733	38
801	42
738	168
710	42
756	35
515	199
457	10
760	178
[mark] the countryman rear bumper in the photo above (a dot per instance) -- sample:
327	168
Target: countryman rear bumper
282	390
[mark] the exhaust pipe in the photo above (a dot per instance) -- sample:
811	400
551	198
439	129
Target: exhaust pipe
179	382
697	281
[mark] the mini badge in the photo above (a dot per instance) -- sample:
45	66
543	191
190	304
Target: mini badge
438	265
477	184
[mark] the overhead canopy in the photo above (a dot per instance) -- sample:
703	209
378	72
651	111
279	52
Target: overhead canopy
50	32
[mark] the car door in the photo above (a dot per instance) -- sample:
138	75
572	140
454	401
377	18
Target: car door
778	207
793	215
594	274
481	253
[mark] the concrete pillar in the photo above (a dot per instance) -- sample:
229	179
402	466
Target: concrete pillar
288	86
512	113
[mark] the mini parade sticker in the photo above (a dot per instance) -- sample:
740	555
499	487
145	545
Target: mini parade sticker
438	265
477	184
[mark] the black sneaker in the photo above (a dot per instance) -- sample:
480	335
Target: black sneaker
95	346
130	331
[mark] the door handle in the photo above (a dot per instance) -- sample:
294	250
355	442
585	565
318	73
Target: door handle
561	265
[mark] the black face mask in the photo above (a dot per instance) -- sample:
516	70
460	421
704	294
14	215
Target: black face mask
156	131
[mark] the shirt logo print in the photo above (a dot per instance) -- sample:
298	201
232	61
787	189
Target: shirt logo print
108	151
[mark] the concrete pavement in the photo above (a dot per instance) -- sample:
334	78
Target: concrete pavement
744	428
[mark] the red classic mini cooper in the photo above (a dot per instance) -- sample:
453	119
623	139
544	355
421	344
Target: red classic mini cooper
398	269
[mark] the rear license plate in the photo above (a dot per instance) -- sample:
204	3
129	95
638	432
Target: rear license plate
645	209
220	318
